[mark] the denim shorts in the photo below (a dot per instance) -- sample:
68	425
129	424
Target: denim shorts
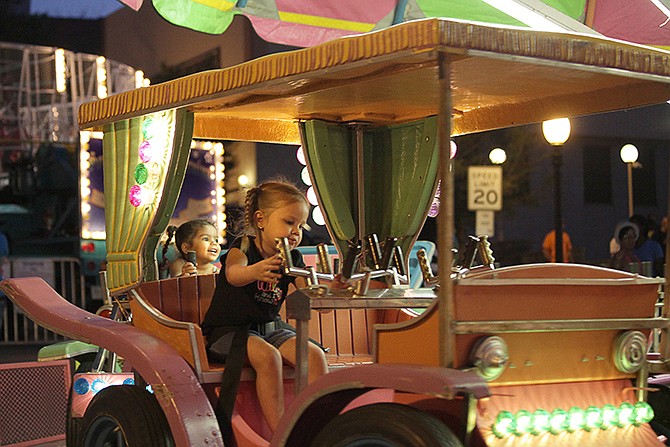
218	351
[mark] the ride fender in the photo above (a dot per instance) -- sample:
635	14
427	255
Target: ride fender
328	396
188	411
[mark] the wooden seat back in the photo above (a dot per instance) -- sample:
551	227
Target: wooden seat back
185	298
171	309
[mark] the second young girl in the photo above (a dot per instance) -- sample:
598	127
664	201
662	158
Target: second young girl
197	236
251	289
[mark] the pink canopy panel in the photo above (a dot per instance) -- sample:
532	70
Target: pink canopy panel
135	4
638	21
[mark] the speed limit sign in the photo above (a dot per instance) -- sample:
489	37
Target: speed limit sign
485	188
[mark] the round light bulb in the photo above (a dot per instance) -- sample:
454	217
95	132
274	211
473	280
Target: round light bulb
629	153
523	420
304	175
498	156
576	419
541	421
453	148
317	216
610	415
300	155
311	196
558	421
556	131
504	424
593	418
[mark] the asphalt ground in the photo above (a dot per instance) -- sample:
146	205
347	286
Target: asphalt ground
16	353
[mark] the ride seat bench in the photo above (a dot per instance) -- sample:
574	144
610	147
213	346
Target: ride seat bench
172	309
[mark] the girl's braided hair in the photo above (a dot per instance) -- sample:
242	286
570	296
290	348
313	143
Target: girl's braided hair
164	262
266	197
166	246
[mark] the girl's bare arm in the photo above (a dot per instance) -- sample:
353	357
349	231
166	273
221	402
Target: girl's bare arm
239	273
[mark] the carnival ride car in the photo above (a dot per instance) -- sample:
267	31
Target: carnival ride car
525	355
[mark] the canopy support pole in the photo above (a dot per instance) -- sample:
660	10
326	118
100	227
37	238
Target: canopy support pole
445	221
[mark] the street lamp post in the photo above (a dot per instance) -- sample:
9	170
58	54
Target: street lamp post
629	154
497	156
557	132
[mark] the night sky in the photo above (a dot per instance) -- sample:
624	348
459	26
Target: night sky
79	9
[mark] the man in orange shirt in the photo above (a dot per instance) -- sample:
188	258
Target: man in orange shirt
549	247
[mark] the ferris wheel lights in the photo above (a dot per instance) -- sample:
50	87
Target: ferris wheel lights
59	62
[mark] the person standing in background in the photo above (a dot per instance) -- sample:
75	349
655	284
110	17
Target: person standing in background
661	232
549	247
625	233
647	249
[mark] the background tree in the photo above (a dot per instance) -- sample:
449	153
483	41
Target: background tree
473	150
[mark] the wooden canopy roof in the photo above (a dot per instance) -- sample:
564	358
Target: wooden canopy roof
500	77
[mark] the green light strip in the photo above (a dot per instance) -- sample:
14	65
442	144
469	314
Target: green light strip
592	418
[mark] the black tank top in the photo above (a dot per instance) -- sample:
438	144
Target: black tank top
257	302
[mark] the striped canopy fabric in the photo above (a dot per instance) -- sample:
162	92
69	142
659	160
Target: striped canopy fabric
306	23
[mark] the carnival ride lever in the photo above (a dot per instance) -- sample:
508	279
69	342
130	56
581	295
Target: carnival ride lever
389	264
476	246
349	263
399	261
288	268
360	281
323	259
467	257
485	252
374	250
429	279
387	254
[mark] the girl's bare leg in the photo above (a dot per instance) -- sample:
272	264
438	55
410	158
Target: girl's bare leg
315	357
267	362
